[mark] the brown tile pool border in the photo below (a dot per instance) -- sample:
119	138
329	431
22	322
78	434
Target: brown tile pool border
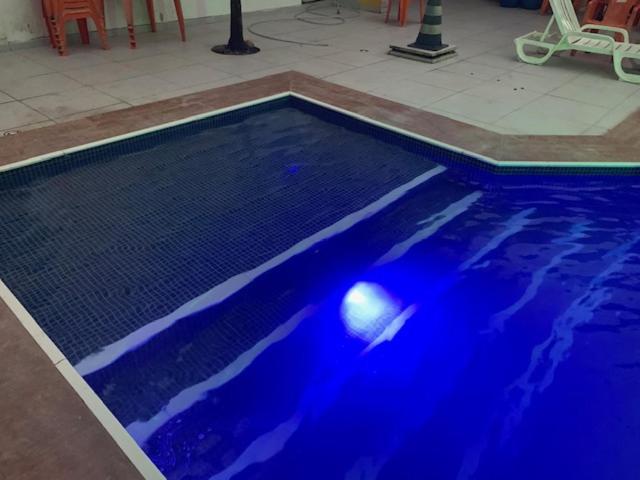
618	145
47	429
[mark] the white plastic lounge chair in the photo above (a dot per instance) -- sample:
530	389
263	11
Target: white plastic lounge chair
576	37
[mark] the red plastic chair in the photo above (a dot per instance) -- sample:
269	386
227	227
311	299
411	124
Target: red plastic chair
127	5
58	12
403	8
615	13
82	27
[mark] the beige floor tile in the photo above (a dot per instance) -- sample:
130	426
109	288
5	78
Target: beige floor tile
526	122
361	79
474	70
16	114
477	108
355	59
185	91
103	73
89	113
25	128
157	63
191	75
504	92
135	88
608	94
533	82
504	62
449	80
546	108
469	50
57	105
267	72
461	118
283	56
235	65
413	94
595	130
320	68
320	51
616	115
14	67
39	85
5	98
77	58
120	51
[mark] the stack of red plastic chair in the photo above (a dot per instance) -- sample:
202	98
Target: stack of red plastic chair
403	8
614	13
128	11
58	12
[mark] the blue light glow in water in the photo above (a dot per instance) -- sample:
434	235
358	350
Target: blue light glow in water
367	309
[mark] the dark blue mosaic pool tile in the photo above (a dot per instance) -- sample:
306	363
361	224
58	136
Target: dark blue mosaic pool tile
101	242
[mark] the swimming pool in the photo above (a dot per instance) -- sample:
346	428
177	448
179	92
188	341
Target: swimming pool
285	292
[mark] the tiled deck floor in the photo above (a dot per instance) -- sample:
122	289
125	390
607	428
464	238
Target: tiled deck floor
485	85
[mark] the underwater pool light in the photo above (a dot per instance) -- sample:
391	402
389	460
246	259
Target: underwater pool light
367	310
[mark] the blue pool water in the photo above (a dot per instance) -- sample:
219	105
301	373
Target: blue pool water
275	296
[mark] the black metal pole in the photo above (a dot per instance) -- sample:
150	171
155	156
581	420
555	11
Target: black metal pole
237	45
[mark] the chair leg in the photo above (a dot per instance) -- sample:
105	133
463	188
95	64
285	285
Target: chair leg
52	38
618	58
180	14
128	12
152	14
83	28
47	21
405	11
544	8
102	31
526	58
59	33
422	7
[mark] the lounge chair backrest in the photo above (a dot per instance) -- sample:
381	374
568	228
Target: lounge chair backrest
565	16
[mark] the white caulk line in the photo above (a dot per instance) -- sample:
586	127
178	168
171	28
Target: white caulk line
219	293
124	441
142	430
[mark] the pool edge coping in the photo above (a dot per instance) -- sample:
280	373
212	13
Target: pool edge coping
291	92
446	146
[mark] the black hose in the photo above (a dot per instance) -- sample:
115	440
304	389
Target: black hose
307	16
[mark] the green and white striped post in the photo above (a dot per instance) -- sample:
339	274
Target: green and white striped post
430	36
428	47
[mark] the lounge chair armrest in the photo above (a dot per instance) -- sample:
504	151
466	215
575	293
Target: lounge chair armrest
595	36
622	31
